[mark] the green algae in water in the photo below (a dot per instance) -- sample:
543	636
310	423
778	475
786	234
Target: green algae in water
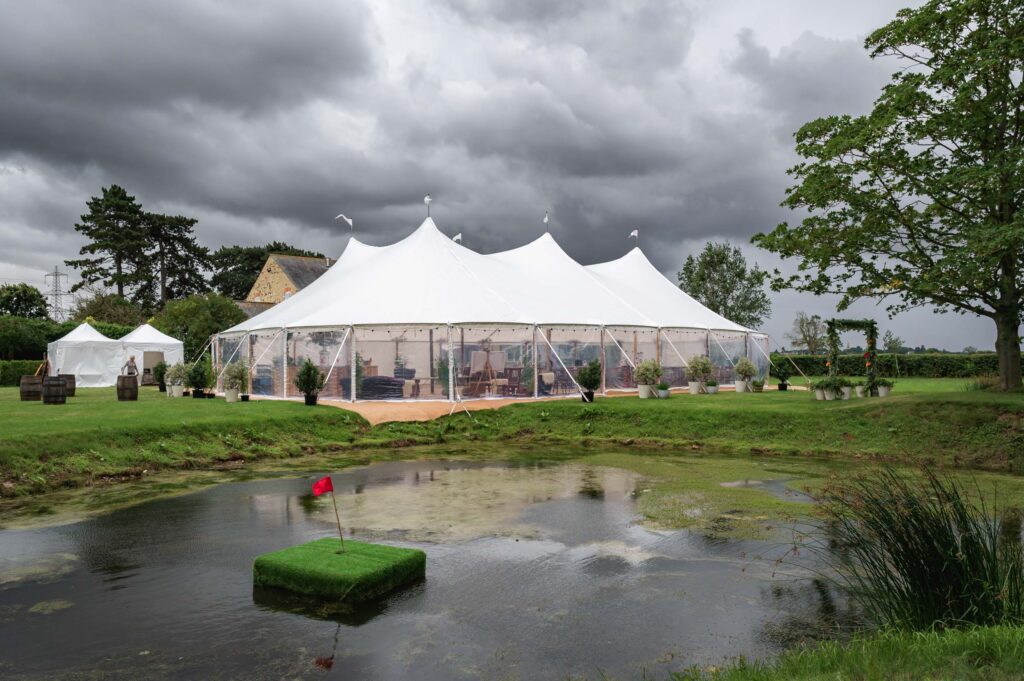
361	573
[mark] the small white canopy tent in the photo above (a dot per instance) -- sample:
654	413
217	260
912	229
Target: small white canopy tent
150	346
94	359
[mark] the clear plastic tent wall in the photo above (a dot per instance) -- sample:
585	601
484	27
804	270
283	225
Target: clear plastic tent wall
427	319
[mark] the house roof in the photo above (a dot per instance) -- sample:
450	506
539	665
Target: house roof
301	270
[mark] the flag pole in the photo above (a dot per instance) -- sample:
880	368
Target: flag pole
338	519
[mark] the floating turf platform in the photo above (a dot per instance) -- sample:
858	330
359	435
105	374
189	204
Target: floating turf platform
362	573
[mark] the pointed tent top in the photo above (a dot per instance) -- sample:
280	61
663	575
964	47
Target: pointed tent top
148	334
84	333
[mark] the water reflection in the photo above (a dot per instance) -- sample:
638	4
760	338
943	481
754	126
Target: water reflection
533	572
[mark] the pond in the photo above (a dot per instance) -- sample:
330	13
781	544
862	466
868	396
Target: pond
533	572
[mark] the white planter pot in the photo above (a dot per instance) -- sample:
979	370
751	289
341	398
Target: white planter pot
645	391
883	391
178	390
712	389
663	394
859	390
830	394
847	392
694	387
819	394
741	386
231	394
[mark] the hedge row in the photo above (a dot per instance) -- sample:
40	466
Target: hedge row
22	338
11	371
924	365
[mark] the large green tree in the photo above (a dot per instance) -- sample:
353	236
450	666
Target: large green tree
194	319
720	279
236	267
22	300
178	261
110	308
919	201
117	237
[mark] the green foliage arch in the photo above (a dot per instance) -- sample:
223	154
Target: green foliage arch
870	328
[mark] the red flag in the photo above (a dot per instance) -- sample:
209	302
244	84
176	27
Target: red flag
322	485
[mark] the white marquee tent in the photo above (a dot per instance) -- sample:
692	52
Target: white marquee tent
517	323
150	346
94	359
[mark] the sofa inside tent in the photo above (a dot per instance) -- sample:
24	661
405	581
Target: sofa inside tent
427	318
94	359
151	346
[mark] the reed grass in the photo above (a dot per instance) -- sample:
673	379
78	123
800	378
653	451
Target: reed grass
924	552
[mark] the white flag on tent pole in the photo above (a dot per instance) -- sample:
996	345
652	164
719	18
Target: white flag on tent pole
635	234
341	216
545	217
457	238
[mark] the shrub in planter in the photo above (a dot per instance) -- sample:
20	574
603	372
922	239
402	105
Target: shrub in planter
309	381
746	370
589	378
198	379
711	386
236	375
884	386
648	373
700	370
819	389
664	390
160	376
758	386
175	378
781	370
844	388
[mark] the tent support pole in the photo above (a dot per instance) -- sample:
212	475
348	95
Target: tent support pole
251	340
451	367
604	365
284	363
353	372
536	365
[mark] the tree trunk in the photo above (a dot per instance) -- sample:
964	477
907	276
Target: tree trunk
120	280
1008	349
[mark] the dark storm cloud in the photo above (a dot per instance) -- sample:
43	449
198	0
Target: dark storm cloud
264	120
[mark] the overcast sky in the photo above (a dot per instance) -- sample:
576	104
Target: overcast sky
266	119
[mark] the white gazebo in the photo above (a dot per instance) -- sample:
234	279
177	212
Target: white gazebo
151	346
94	359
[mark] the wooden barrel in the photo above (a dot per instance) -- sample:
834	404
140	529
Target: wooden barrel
54	390
127	388
69	384
31	388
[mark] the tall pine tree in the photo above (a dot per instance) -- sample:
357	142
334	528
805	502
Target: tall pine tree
178	261
117	241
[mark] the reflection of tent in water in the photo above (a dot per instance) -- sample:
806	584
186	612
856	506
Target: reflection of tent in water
427	318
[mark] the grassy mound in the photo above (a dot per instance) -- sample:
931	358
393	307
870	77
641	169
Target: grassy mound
362	573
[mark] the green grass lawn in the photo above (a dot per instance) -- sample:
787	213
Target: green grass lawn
94	438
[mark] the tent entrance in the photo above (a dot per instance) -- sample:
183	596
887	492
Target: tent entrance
150	358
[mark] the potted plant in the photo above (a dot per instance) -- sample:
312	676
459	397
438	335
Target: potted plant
235	377
845	387
884	386
758	386
589	378
198	378
309	381
782	372
699	369
648	373
175	377
858	388
160	376
746	370
711	387
819	390
664	390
